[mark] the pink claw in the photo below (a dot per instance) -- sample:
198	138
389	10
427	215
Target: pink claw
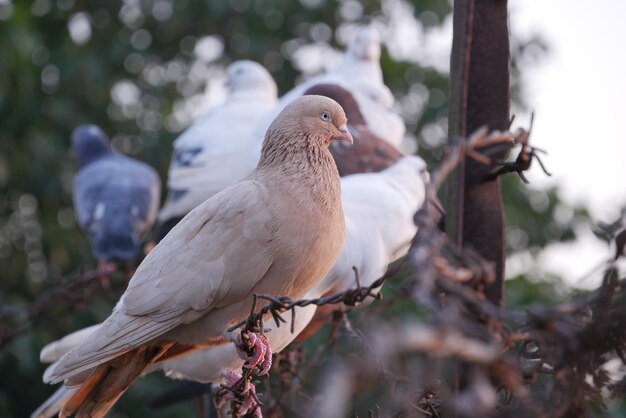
232	378
248	395
250	405
266	364
261	355
105	269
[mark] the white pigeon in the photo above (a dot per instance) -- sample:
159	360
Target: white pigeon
378	208
361	74
221	146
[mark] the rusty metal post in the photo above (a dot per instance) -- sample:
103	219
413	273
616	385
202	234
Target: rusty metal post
479	95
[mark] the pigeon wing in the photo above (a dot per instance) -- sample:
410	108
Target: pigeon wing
212	258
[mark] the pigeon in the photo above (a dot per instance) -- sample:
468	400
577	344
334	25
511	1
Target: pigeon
221	146
116	198
361	74
369	153
378	209
277	231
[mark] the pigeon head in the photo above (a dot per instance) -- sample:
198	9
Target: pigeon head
307	124
248	75
365	46
89	143
342	96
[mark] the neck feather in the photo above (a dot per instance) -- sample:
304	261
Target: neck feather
302	166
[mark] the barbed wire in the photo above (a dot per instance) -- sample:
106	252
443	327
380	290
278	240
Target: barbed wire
431	251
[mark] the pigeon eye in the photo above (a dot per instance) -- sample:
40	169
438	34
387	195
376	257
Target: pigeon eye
325	116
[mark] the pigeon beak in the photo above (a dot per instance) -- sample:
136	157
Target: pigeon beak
345	134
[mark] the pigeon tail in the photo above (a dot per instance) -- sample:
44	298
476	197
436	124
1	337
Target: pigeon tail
51	407
99	392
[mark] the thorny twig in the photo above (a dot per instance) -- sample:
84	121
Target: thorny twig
524	159
71	296
281	304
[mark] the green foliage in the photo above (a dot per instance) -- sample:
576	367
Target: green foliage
521	292
551	220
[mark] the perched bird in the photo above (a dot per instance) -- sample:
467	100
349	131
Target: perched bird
378	208
359	73
221	146
278	231
115	197
369	153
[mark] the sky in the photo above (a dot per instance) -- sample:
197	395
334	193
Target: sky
578	94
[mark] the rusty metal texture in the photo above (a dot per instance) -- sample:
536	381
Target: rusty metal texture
479	95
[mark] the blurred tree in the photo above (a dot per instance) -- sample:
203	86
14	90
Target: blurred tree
141	69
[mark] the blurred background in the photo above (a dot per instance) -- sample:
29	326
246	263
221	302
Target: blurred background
142	69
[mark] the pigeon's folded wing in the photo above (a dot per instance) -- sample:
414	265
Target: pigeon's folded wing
212	258
88	197
225	237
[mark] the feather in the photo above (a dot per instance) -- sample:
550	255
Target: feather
278	231
221	147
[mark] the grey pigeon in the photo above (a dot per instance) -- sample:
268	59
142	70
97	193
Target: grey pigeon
116	197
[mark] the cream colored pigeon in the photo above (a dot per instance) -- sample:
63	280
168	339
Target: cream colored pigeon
221	146
361	74
278	231
379	209
369	153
